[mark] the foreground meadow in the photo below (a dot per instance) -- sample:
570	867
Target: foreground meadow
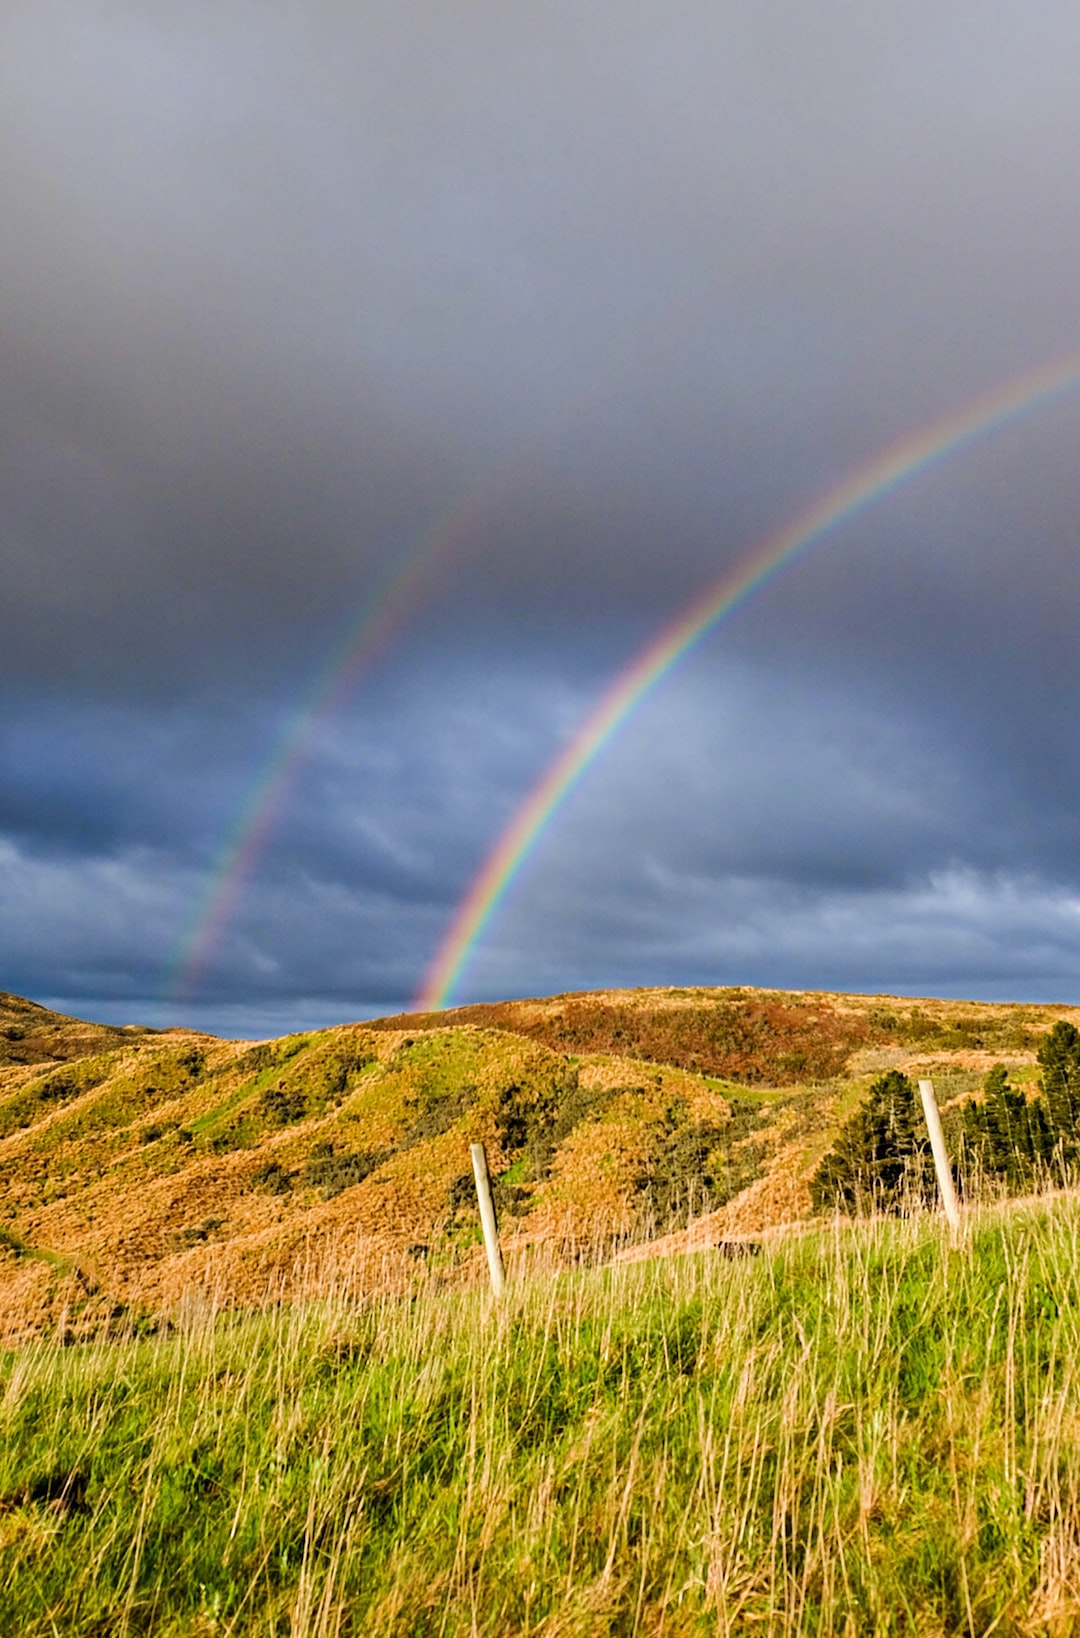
856	1431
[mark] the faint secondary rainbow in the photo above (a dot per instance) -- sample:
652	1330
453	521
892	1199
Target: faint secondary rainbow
382	618
901	460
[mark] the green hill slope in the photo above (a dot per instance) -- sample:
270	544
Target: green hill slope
149	1168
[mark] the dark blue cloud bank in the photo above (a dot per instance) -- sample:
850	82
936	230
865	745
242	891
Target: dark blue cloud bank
617	288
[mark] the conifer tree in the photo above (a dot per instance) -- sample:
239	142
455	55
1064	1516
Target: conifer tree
1059	1059
881	1157
1007	1134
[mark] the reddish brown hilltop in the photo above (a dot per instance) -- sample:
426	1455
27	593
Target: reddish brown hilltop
758	1037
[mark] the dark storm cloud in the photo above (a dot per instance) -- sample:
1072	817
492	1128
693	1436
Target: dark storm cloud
740	829
753	831
107	893
621	286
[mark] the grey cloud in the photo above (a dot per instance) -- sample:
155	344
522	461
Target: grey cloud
278	287
743	830
615	289
740	828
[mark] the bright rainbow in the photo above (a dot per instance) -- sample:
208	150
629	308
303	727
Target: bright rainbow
900	461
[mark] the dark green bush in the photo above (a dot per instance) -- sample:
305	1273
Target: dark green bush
1059	1060
333	1173
282	1106
700	1165
881	1159
272	1178
433	1113
1007	1136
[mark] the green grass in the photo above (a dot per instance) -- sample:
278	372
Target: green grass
858	1432
50	1091
18	1248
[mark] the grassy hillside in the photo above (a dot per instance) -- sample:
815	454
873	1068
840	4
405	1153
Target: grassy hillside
760	1037
30	1034
147	1167
858	1432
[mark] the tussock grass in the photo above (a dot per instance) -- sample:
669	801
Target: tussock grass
860	1431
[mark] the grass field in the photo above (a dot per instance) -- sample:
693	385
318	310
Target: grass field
859	1431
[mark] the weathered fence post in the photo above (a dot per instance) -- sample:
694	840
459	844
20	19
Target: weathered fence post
941	1157
487	1218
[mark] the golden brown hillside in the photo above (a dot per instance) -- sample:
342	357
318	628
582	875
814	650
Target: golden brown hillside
30	1034
155	1167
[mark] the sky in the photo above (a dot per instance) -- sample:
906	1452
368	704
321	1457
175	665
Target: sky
475	343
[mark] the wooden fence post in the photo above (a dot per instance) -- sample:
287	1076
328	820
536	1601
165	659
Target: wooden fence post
941	1157
487	1218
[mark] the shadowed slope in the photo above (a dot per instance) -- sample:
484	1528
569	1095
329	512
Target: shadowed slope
30	1034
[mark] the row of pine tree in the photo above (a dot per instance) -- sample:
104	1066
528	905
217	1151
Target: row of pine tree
881	1160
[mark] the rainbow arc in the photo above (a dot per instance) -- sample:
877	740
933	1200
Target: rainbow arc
869	483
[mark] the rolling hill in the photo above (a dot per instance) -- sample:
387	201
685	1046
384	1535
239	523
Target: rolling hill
141	1171
31	1034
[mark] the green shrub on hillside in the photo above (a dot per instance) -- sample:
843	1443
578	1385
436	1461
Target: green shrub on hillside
272	1178
295	1079
314	1076
554	1124
282	1105
118	1100
700	1165
42	1096
333	1172
433	1113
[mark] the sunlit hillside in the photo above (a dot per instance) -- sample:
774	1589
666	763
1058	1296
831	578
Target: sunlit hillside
30	1034
141	1171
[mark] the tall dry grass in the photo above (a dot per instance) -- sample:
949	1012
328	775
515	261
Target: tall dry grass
860	1431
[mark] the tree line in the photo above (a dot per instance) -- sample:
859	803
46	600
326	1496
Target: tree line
881	1160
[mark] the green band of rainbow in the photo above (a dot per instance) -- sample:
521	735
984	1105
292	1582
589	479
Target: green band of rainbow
912	454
